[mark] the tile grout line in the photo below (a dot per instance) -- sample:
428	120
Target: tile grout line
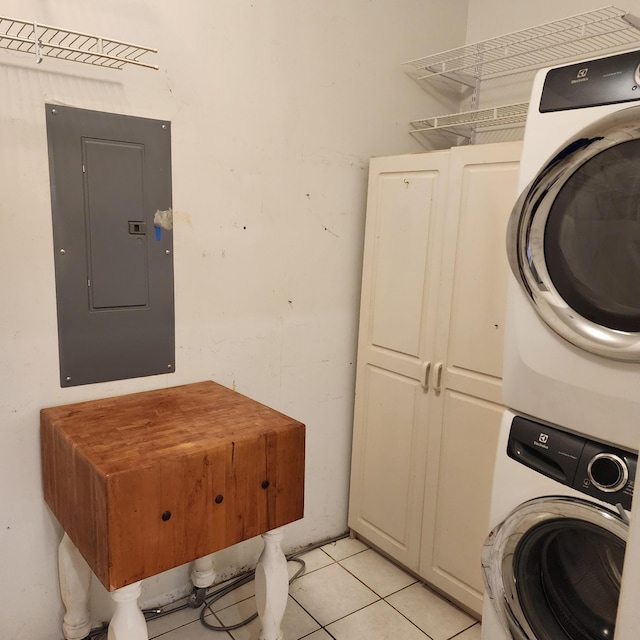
455	635
415	581
384	598
309	614
370	589
477	622
379	597
346	557
409	619
339	562
187	624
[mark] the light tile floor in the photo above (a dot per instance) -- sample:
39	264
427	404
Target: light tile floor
348	592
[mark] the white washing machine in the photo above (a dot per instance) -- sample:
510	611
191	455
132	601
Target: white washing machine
565	469
553	561
572	333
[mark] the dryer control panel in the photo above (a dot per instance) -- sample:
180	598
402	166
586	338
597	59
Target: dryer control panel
594	468
609	80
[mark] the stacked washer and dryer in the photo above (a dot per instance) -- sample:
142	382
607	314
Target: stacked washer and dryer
554	561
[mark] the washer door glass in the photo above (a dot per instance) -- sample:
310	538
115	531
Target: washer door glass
553	570
568	575
574	238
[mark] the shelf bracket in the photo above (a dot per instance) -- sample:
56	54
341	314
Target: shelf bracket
634	21
38	47
459	78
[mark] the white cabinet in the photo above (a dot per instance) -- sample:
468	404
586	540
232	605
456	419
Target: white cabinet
428	382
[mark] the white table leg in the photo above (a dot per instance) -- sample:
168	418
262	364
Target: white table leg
272	586
75	579
128	621
203	575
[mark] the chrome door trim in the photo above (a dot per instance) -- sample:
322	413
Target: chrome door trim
499	549
525	238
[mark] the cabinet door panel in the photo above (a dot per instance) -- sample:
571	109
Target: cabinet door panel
471	304
402	259
396	340
400	255
487	193
461	499
387	477
391	404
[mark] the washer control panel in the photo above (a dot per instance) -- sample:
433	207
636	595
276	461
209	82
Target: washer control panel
594	468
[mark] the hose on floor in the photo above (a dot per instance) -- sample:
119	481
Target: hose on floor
214	594
209	602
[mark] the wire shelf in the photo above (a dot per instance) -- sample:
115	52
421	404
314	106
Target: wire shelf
467	122
511	114
54	42
603	31
606	30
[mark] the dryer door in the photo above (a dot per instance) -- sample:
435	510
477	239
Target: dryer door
553	569
573	238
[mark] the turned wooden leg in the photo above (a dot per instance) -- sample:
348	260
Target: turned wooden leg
203	575
75	579
272	586
128	621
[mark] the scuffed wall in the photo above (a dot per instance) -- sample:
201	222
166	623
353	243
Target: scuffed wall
276	106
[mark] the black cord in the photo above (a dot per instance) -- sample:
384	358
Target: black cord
208	603
158	612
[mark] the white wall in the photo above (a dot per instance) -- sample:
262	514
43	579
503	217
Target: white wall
276	106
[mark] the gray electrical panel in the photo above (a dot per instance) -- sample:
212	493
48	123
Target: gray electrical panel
113	244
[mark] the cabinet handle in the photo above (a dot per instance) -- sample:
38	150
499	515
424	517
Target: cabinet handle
437	377
426	366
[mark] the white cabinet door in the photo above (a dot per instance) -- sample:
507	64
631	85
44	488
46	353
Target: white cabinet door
428	383
465	412
396	346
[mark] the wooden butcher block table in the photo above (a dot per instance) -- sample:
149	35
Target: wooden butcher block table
145	482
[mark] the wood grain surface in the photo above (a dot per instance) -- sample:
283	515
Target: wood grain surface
149	481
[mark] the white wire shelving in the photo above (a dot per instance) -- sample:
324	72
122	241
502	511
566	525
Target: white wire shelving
605	29
601	31
47	41
466	123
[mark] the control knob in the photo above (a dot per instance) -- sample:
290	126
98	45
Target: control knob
608	472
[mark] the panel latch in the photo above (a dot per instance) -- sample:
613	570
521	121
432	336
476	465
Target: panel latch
137	228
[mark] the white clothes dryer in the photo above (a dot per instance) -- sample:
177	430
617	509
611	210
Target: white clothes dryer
553	561
572	333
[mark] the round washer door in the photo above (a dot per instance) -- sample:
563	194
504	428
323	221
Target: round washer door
553	569
573	238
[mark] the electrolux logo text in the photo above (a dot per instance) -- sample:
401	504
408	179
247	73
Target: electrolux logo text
541	441
581	76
